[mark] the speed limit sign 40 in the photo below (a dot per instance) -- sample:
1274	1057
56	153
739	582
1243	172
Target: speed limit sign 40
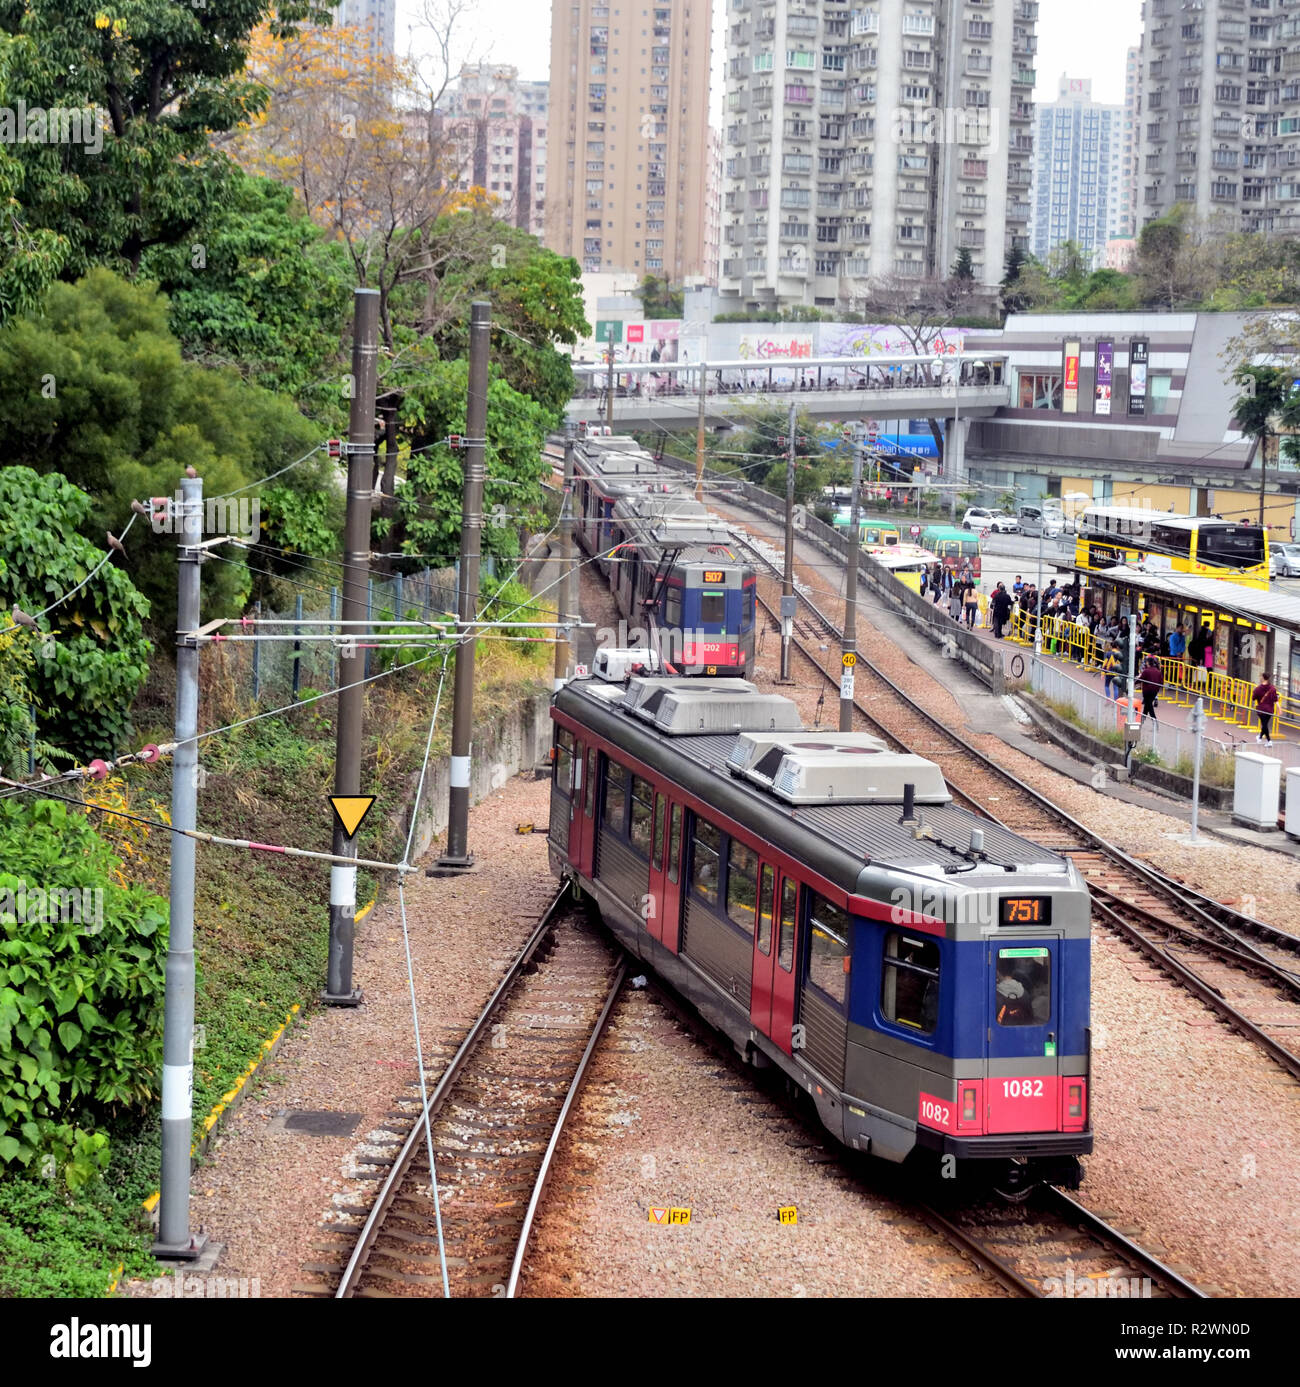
849	659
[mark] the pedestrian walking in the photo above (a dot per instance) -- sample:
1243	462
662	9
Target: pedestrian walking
1264	696
1152	681
971	601
1111	672
1200	654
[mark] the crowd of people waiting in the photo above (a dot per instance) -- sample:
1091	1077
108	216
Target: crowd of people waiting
1097	640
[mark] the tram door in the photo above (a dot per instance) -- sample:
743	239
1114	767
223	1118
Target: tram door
772	993
582	834
665	874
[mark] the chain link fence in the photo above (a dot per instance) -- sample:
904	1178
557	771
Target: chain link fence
278	670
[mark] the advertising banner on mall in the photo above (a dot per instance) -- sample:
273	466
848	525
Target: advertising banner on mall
1070	398
1139	358
1105	377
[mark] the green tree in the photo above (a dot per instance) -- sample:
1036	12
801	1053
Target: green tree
89	656
30	257
96	388
1174	266
1269	403
964	265
165	77
428	502
536	299
260	288
659	299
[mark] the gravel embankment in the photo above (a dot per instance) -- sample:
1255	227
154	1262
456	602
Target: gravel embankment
662	1123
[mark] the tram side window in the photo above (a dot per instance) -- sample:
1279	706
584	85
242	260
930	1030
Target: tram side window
657	858
673	607
789	903
674	843
642	815
706	853
615	810
713	608
1024	987
747	609
742	886
564	761
909	984
766	890
828	949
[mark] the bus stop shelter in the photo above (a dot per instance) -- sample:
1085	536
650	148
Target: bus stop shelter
1246	623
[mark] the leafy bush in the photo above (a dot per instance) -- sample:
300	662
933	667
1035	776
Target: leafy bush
80	999
84	678
504	599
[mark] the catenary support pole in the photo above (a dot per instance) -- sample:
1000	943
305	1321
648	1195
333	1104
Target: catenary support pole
457	856
699	432
567	604
354	608
174	1236
1198	727
850	643
609	388
787	590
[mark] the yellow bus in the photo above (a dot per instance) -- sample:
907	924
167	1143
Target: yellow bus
1162	542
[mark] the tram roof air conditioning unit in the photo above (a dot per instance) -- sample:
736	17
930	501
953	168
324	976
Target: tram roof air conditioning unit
835	768
696	707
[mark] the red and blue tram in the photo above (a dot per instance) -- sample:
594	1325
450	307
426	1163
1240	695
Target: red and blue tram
674	566
922	973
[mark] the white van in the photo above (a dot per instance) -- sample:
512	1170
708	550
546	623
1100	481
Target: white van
1040	520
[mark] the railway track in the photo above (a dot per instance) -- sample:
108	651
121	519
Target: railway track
1054	1247
496	1115
1245	970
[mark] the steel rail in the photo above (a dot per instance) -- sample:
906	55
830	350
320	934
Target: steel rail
575	1086
967	1242
392	1181
1068	1207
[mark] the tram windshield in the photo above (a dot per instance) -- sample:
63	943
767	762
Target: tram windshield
1024	987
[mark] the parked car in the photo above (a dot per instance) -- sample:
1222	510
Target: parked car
1040	520
984	518
1284	561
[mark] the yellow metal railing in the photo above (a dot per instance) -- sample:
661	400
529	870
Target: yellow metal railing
1227	699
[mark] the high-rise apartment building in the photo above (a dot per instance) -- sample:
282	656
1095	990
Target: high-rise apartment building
629	120
713	209
1221	111
498	125
1130	152
873	141
1078	172
378	16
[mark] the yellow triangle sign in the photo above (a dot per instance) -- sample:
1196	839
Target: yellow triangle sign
350	810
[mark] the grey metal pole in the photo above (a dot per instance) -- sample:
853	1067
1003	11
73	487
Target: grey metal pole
699	432
1038	601
354	608
174	1236
1198	727
787	590
457	857
257	658
568	604
609	389
850	642
297	649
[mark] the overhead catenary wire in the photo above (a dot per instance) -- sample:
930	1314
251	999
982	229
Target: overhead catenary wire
64	597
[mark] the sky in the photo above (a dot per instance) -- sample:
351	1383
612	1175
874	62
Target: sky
1083	40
